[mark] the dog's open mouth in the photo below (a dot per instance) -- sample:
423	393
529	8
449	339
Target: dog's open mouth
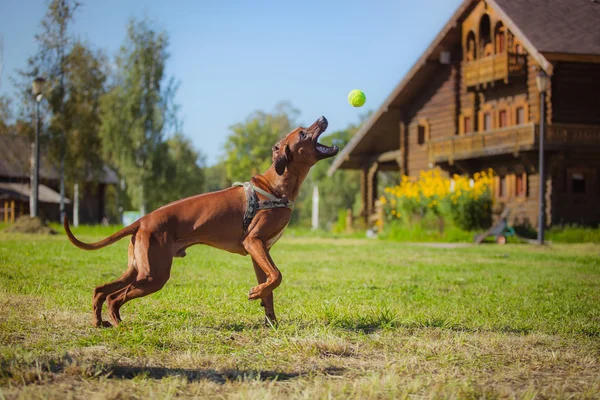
326	151
322	150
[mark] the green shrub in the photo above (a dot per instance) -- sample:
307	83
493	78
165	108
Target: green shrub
573	234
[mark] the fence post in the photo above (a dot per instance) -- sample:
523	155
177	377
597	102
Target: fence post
349	220
315	208
76	205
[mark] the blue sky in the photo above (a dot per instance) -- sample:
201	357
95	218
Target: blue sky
234	57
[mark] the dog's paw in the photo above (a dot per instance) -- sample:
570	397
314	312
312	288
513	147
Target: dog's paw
271	321
101	324
180	254
255	293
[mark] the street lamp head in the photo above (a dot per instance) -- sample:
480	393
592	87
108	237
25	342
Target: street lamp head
542	81
38	87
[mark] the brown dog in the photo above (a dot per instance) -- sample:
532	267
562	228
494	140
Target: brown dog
246	220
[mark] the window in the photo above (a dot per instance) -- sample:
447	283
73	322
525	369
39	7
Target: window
466	121
521	185
487	121
422	131
578	183
500	38
518	48
500	43
468	125
502	192
421	134
520	115
485	40
470	46
502	121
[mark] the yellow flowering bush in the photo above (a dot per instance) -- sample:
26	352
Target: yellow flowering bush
468	201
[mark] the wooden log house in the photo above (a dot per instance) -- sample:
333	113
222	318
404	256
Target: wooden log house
15	173
471	102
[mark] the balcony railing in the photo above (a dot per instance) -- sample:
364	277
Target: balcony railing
493	68
478	144
573	135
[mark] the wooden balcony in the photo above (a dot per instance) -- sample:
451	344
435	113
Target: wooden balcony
512	140
569	135
480	144
494	68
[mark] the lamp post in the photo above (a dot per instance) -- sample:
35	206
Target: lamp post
542	84
38	86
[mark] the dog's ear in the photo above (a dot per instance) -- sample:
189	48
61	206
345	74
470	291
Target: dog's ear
281	158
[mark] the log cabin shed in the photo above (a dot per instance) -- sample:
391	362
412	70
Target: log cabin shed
15	178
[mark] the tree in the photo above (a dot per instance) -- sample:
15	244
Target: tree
336	193
6	115
216	177
248	147
85	86
137	111
183	175
50	62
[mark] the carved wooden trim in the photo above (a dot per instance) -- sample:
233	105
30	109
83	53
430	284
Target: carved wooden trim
363	191
389	156
512	139
402	131
573	134
372	187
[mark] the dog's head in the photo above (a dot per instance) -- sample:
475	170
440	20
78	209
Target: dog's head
301	147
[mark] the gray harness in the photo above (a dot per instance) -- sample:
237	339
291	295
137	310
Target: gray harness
253	205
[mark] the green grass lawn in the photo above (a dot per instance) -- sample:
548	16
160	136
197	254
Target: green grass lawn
358	319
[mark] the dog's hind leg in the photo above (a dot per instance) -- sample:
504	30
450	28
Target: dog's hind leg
153	262
103	291
266	302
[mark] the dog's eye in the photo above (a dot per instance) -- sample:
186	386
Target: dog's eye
302	134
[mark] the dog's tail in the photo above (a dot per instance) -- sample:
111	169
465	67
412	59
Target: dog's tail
128	230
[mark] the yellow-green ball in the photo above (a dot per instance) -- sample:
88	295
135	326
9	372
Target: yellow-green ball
357	98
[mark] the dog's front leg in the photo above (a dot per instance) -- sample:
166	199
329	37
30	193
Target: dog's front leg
260	254
266	302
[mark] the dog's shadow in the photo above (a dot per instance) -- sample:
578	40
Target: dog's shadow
220	377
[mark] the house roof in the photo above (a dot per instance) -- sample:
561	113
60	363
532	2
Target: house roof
21	192
556	26
15	162
545	27
16	159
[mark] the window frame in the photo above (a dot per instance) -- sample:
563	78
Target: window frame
524	177
505	196
423	123
520	102
506	117
467	113
488	108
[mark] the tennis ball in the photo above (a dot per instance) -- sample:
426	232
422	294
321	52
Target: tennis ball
357	98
